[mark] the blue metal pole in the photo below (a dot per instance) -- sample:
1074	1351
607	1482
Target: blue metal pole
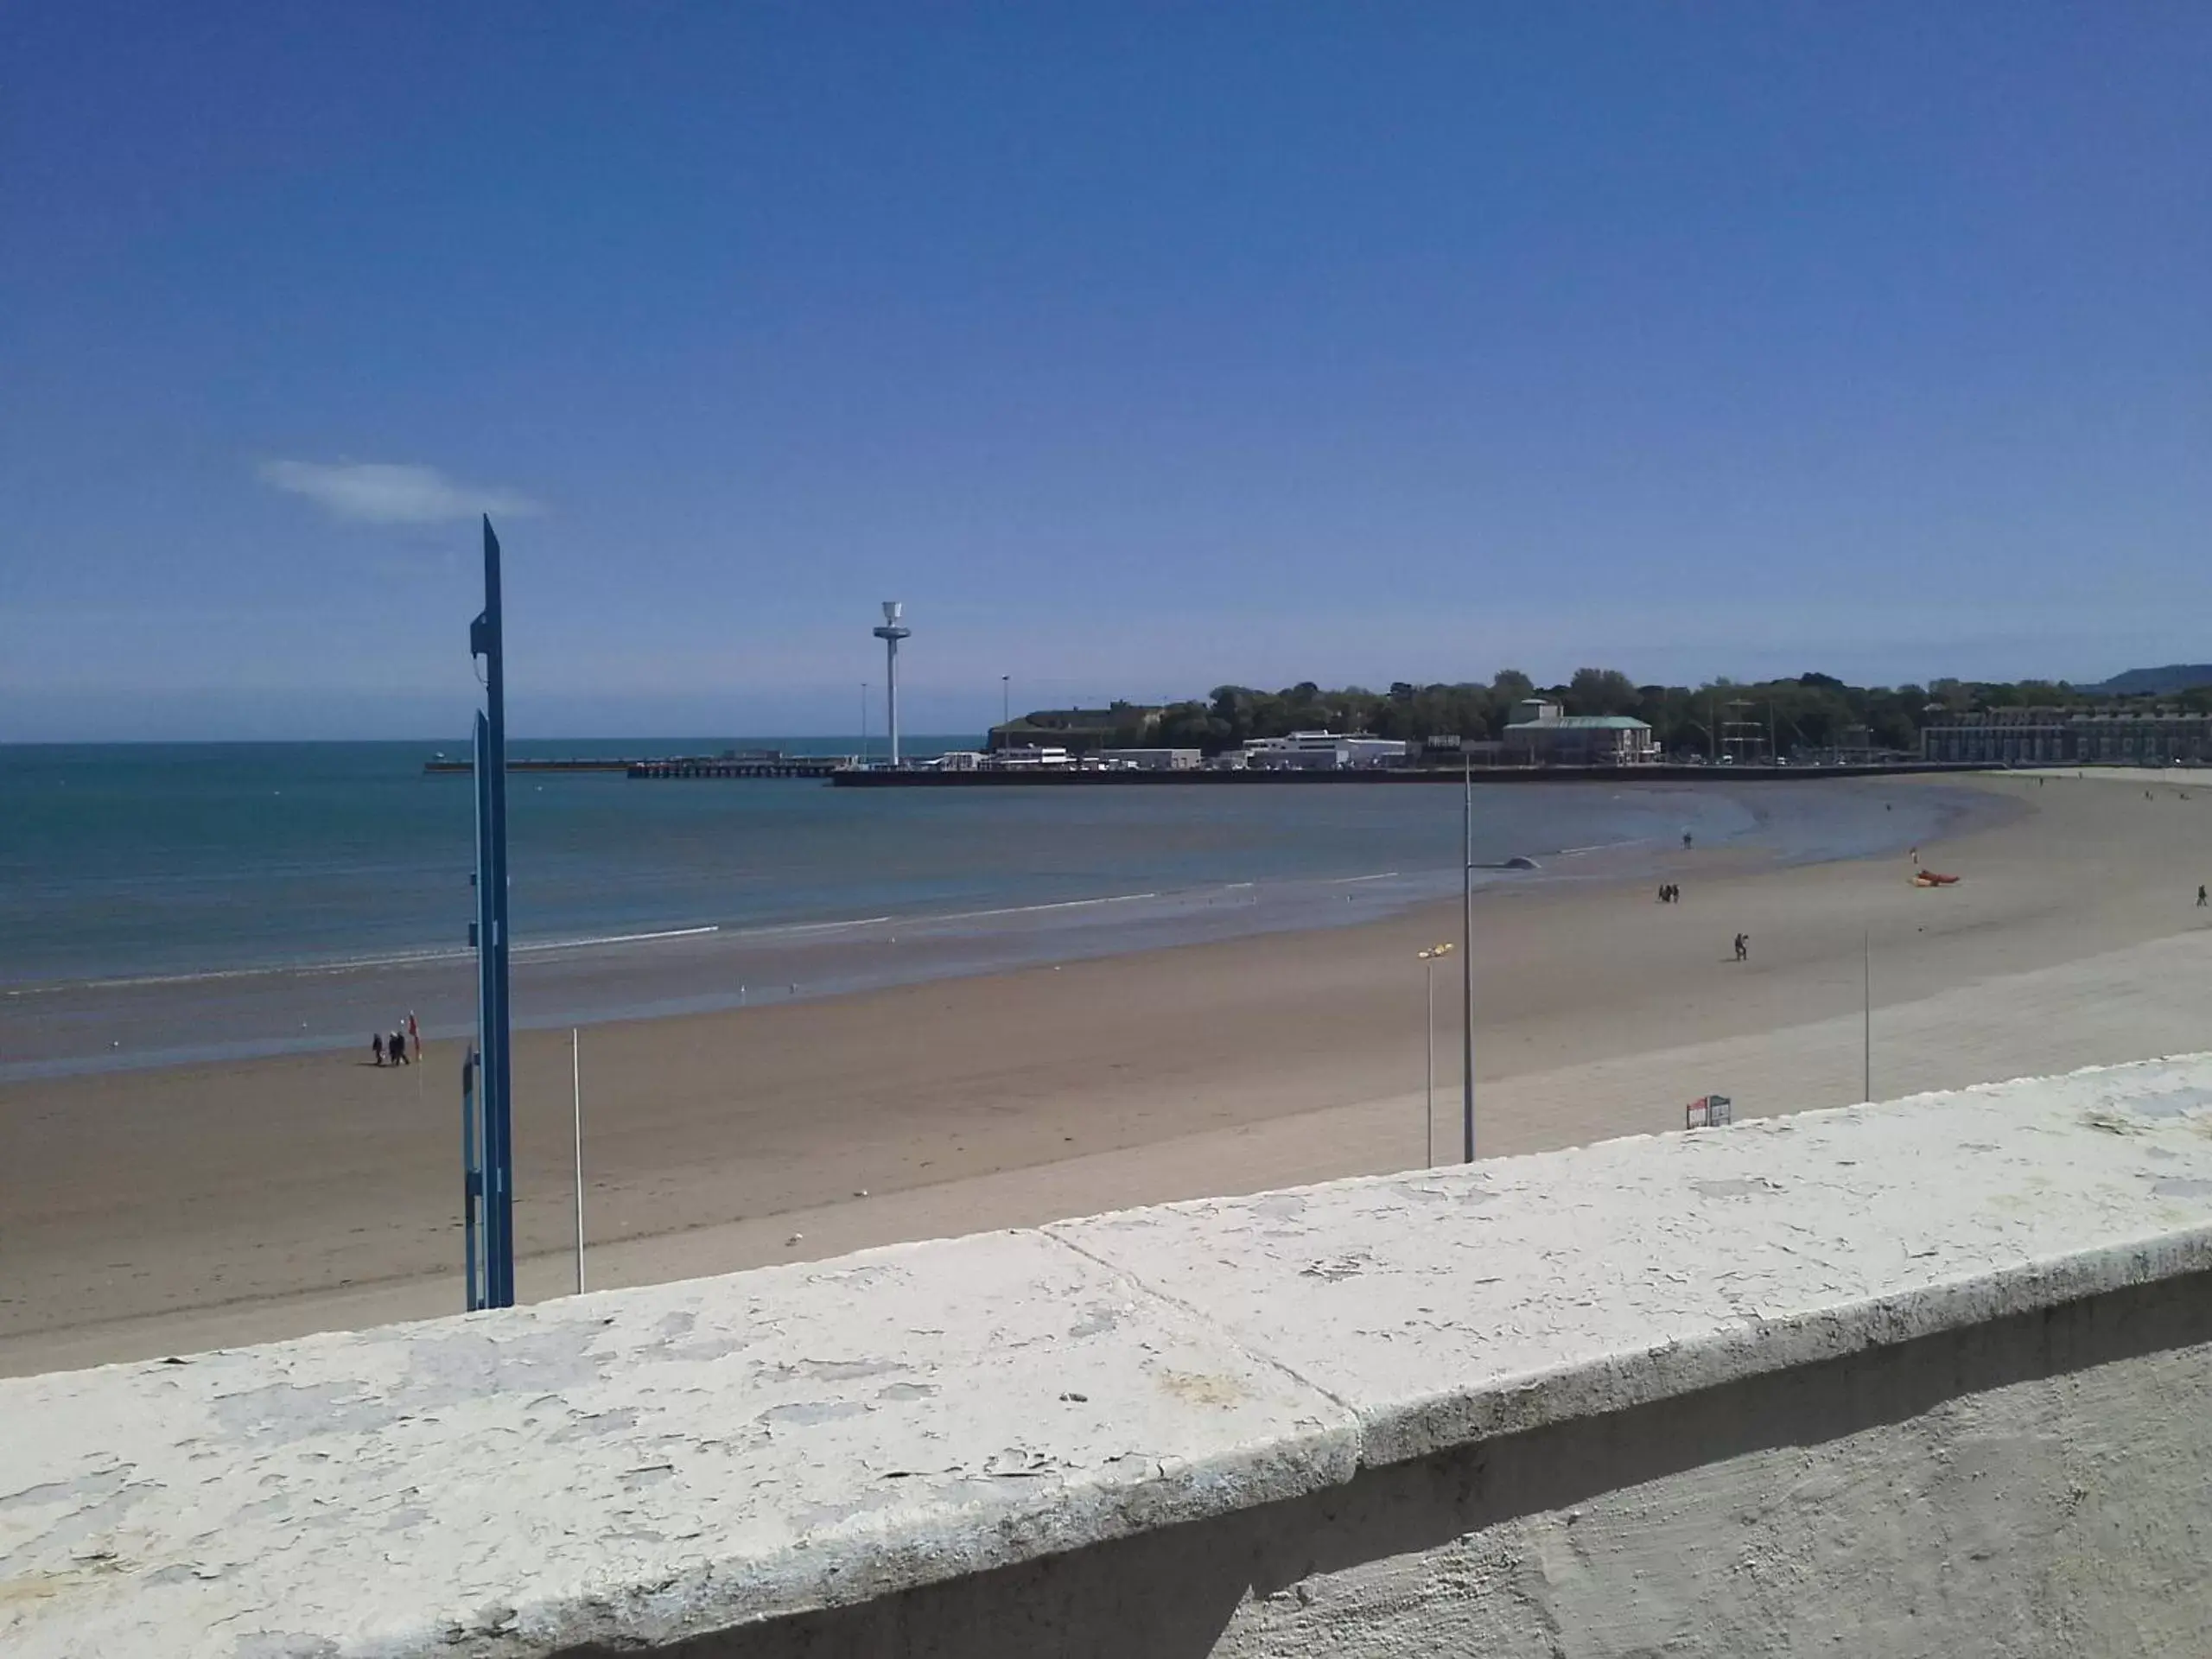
472	1071
486	640
472	1185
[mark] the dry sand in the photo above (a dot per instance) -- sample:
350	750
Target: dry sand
154	1212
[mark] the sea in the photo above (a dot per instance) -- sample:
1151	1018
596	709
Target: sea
176	903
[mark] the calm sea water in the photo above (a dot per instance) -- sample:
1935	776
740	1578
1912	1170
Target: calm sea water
169	902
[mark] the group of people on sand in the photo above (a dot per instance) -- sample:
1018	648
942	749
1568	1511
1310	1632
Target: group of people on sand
1670	892
403	1047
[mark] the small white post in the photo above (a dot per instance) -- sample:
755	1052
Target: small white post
576	1084
1866	1028
1428	1096
1428	959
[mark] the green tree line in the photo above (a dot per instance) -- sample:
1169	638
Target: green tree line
1812	711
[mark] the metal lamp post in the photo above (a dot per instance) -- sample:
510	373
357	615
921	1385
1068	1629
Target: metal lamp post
1428	961
1467	967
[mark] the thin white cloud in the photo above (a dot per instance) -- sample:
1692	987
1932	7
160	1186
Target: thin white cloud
379	493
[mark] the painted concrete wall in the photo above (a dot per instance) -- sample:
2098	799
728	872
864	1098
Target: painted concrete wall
1922	1378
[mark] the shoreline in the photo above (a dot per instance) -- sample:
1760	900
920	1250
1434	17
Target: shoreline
162	1021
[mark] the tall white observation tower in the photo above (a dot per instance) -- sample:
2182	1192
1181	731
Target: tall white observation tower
890	633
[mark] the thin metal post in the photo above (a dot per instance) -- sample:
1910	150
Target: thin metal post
1467	966
1866	1029
576	1084
863	723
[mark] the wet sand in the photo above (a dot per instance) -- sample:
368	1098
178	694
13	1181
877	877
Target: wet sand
160	1212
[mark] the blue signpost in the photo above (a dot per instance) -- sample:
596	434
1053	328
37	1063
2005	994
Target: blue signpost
471	1178
487	1140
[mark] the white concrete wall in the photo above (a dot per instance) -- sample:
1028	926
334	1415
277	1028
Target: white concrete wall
1922	1378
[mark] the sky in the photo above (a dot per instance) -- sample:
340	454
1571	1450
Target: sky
1136	348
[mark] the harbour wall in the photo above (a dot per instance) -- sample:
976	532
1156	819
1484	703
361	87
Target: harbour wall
1210	776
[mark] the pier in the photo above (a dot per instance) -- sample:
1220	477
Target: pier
782	766
761	764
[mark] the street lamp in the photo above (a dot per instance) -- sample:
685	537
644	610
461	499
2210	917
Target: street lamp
1429	958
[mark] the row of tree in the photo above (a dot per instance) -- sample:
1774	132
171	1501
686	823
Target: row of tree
1813	711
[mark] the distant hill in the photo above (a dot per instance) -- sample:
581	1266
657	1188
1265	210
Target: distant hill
2157	682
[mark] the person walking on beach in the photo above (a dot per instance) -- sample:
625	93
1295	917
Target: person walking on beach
1743	947
2201	899
399	1047
414	1035
376	1047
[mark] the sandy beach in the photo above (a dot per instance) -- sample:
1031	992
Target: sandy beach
161	1211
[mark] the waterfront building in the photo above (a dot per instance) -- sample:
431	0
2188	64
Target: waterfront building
1540	734
2047	736
1153	759
1450	747
1322	751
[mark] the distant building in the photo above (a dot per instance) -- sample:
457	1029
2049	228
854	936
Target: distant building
1321	751
1153	760
2069	737
1476	751
1541	734
1034	754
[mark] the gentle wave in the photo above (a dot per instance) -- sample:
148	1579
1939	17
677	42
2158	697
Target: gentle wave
359	965
779	931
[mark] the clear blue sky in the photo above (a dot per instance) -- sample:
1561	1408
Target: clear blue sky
1136	348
